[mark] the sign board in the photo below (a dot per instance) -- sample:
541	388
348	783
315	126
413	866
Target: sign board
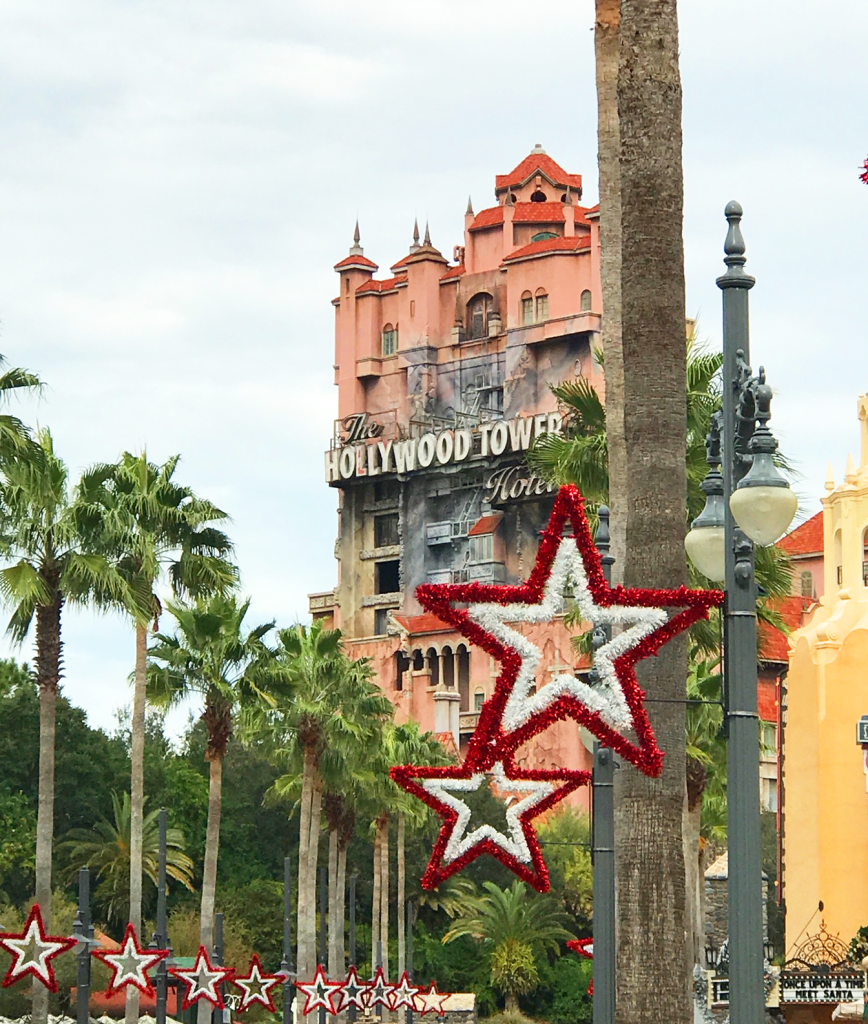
816	987
862	730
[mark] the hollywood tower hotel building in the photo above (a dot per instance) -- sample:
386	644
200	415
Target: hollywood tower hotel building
443	372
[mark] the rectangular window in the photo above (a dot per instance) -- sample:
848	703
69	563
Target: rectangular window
478	700
482	548
768	738
527	311
387	577
386	530
390	342
381	622
840	575
542	307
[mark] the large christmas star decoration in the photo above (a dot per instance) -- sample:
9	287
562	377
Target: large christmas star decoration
404	993
614	706
319	992
32	951
130	965
256	986
462	840
431	1001
585	948
202	980
380	991
354	992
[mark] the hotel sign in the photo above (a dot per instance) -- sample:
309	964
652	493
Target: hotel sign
363	453
815	987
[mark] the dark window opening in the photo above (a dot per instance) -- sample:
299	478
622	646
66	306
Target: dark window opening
386	530
387	576
381	621
402	664
478	310
539	197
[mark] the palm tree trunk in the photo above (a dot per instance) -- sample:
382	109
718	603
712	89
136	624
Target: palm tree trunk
209	871
384	893
652	508
313	857
137	801
401	911
304	950
511	1003
48	652
334	923
342	908
375	908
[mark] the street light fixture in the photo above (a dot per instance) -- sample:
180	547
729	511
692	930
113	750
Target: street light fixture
720	544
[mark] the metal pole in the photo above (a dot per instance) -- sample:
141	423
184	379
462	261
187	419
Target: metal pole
746	992
352	1009
603	843
217	1015
286	962
82	927
162	938
410	917
323	953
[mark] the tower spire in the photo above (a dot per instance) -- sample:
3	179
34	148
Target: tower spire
469	211
415	244
355	248
427	238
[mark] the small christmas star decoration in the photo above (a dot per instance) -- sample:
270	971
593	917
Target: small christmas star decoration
202	980
380	991
130	965
460	842
256	986
32	951
431	1001
354	992
404	993
319	992
615	705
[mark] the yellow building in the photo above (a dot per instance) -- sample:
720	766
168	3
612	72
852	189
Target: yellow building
825	845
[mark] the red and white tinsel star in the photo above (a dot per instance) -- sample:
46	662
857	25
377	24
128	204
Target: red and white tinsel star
380	991
354	992
256	986
319	992
459	843
431	1001
585	948
32	951
516	711
202	980
404	993
130	964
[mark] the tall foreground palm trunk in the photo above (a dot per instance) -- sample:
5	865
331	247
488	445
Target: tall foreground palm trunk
648	490
137	800
48	654
309	825
209	870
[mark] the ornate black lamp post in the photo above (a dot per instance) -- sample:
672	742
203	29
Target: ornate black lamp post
749	503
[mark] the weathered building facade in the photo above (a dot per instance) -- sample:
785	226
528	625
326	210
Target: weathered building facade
443	372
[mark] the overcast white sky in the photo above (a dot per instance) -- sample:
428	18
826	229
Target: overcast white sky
178	179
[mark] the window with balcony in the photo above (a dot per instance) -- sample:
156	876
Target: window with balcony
389	340
387	577
482	548
386	530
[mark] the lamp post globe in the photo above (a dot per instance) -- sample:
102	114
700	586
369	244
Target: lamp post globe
762	506
706	549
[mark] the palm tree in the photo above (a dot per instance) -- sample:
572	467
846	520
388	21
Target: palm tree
516	927
105	849
213	657
161	529
54	564
16	441
332	706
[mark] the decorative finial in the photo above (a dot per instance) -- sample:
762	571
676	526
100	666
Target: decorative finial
415	244
427	239
355	248
830	478
538	150
734	248
469	210
850	475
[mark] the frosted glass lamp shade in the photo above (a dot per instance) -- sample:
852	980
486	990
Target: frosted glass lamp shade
764	513
706	548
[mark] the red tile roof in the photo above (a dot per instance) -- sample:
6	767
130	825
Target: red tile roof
773	645
576	244
356	261
382	286
401	262
806	539
539	213
487	218
453	272
425	623
487	524
532	163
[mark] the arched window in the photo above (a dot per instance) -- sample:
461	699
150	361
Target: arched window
541	236
526	308
541	312
807	583
478	310
585	305
389	342
539	197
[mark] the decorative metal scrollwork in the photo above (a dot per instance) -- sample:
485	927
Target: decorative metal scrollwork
820	952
